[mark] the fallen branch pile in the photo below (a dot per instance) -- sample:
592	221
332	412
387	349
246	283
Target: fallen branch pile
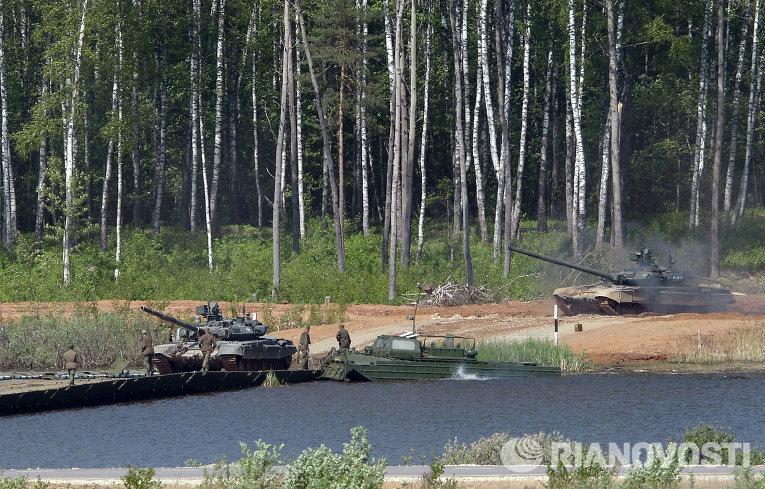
454	294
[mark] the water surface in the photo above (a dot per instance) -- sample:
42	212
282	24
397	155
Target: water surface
399	416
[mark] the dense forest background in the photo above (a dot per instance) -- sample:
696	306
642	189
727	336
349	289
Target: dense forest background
367	129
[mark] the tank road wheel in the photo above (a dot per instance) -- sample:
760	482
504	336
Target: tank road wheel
608	306
230	363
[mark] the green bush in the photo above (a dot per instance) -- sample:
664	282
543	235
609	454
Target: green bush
320	468
140	479
257	467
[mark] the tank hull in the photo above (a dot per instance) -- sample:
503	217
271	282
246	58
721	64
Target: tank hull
356	366
266	353
623	299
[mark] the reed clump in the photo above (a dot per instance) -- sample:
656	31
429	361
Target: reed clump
539	351
745	342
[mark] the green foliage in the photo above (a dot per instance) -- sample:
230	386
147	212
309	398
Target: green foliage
320	468
257	467
484	451
655	473
588	475
745	478
272	380
18	482
140	479
39	342
219	477
539	351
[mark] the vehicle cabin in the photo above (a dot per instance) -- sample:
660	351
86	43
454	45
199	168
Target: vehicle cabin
446	346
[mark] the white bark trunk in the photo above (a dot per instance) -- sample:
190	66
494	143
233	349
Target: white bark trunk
218	149
751	119
516	212
69	151
727	196
698	157
424	138
299	115
579	186
208	217
8	185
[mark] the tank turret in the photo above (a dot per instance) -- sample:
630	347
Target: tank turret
644	287
242	343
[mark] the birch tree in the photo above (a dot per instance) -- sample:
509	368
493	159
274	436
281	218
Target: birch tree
424	137
719	130
277	202
219	91
526	37
9	189
579	186
69	143
701	126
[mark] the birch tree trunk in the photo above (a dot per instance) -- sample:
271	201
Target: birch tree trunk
69	147
277	205
339	238
714	239
542	182
365	159
579	188
397	148
196	68
408	172
615	111
751	118
9	191
219	90
424	137
43	159
698	157
254	94
727	197
162	143
479	191
118	223
293	141
205	188
299	134
504	69
109	156
460	140
516	212
391	133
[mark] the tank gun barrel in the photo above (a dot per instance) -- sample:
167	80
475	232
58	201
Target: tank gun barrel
612	277
171	319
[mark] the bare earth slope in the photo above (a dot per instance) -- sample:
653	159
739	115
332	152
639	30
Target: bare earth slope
605	339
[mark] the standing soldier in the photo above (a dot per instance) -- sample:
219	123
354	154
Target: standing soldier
343	338
303	352
71	361
148	352
169	333
206	344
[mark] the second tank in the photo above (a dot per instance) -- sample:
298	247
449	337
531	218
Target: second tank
241	343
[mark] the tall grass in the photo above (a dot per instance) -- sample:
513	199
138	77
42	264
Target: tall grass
39	342
745	342
534	350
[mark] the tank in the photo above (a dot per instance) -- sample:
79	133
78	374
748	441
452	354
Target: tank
241	343
645	286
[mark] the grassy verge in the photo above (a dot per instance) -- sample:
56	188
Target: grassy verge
538	351
745	342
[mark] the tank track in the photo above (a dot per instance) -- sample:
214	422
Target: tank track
163	366
232	363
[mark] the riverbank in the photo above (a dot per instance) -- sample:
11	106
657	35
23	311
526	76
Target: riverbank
464	476
661	343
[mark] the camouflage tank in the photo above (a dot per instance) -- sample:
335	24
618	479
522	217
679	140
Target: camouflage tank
241	343
646	286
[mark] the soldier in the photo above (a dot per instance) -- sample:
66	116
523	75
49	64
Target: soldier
148	352
343	338
206	344
71	361
303	351
169	333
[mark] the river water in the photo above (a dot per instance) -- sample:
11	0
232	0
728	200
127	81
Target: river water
399	416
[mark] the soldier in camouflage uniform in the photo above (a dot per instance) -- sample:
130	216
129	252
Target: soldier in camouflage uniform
343	338
303	350
206	344
71	361
148	352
